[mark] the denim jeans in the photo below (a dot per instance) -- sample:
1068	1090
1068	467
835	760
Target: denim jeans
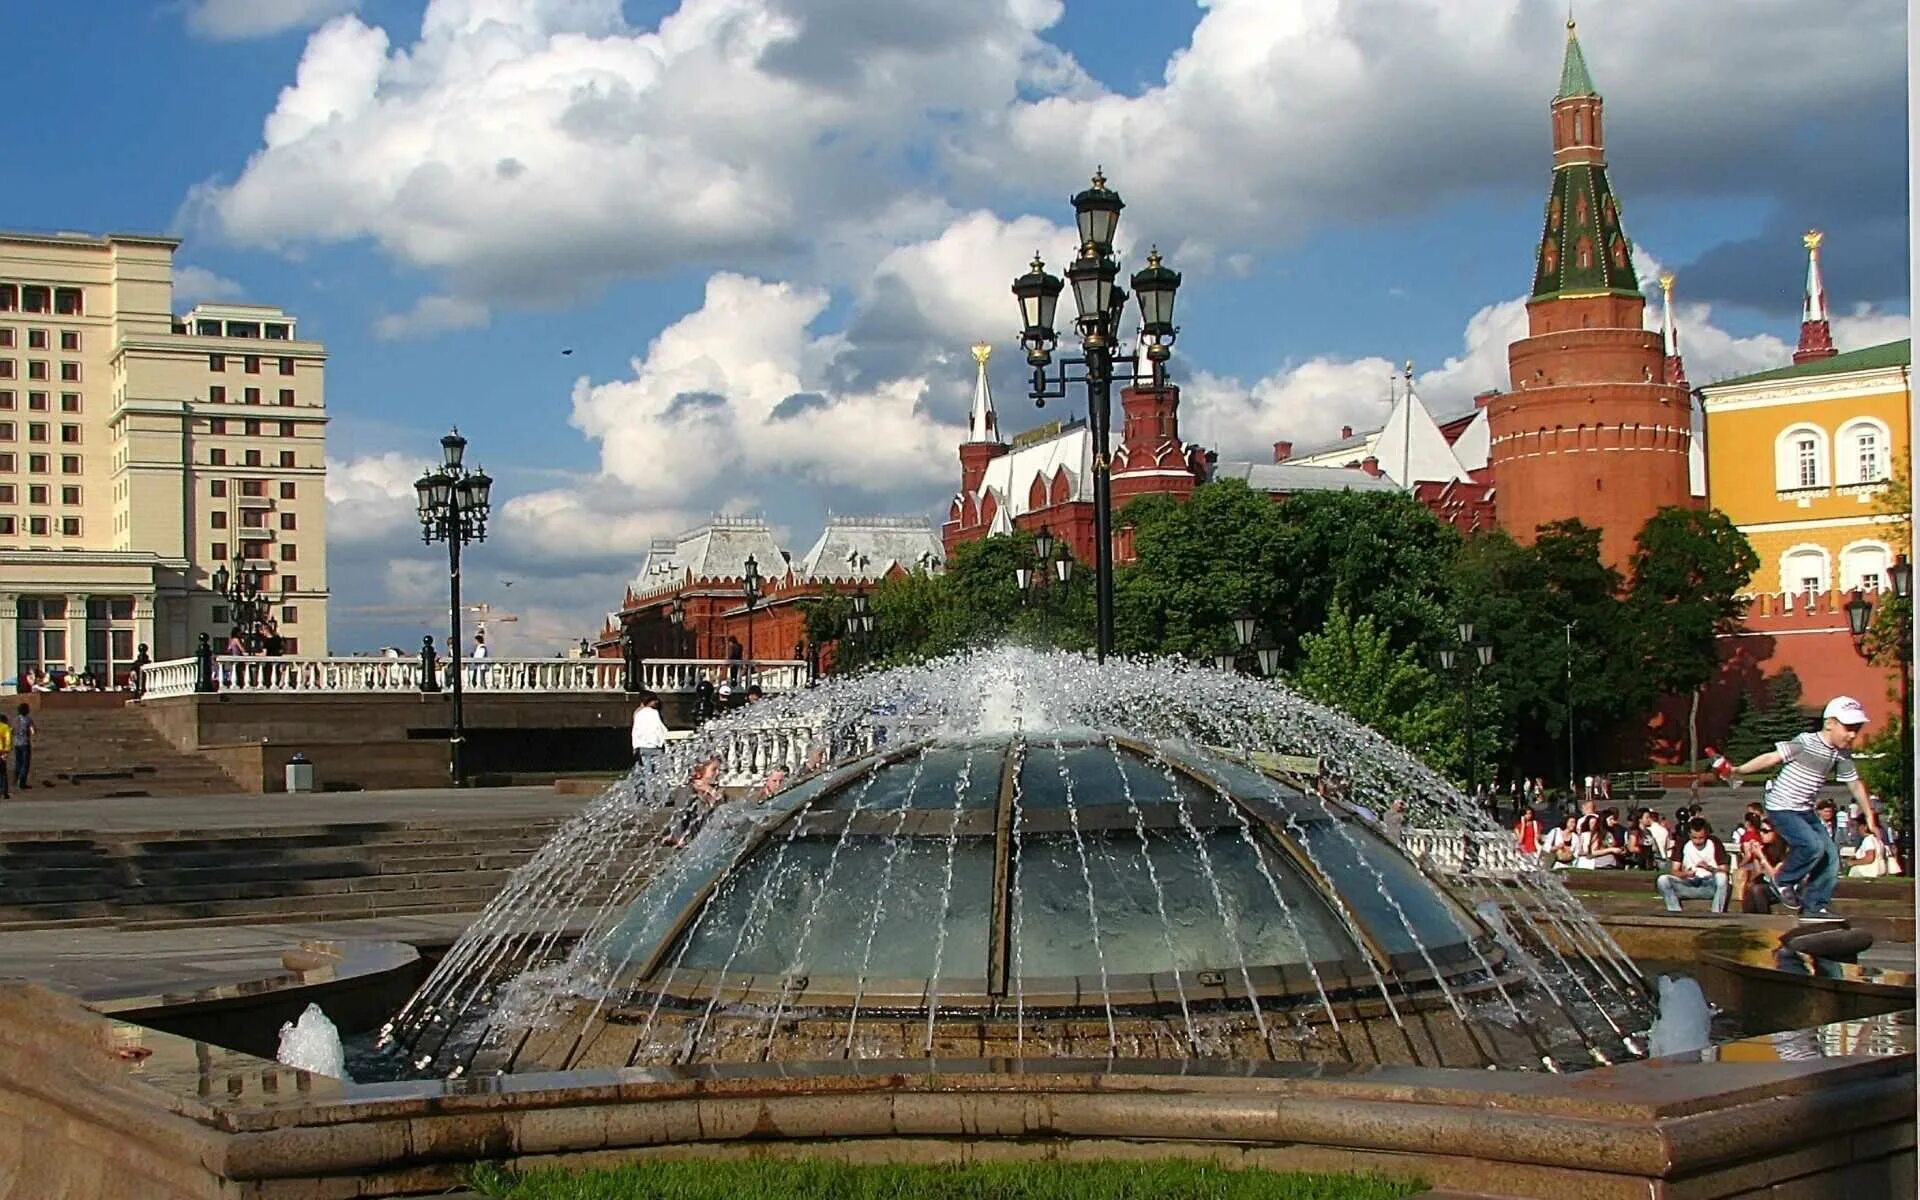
1813	861
22	759
1674	889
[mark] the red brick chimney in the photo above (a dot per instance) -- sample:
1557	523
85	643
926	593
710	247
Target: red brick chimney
1282	451
1371	466
1346	431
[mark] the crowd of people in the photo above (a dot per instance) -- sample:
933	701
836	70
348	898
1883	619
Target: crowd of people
1789	849
701	794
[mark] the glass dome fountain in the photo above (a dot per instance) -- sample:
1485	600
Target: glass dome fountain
1014	855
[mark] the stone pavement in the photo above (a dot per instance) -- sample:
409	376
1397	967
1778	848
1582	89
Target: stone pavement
131	814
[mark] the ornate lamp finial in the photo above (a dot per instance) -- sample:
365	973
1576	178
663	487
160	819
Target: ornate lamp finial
1099	177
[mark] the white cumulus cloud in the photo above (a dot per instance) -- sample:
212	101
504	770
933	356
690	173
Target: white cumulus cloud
192	284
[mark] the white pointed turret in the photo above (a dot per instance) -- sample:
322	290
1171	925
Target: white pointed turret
1410	447
982	425
1816	335
1676	370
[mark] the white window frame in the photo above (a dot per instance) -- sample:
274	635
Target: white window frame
1848	452
1851	569
1786	455
1793	563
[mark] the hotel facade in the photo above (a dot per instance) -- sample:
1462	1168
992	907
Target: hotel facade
141	451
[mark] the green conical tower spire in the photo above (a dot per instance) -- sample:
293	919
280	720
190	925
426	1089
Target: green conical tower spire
1574	80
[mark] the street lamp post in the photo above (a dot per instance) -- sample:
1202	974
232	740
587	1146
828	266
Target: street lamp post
454	505
1049	568
246	602
1859	612
1477	657
750	587
1100	304
677	614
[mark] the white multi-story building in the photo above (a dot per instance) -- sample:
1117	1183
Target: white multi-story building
141	451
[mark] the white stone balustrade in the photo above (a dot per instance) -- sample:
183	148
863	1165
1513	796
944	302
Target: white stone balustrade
366	675
1495	854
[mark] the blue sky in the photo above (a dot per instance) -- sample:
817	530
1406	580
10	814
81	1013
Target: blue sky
745	200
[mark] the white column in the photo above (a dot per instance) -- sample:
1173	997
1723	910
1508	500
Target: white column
9	635
76	631
143	628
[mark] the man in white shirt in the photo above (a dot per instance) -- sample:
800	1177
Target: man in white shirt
649	731
1698	870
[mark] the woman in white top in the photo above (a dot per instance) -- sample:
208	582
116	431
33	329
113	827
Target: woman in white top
1869	858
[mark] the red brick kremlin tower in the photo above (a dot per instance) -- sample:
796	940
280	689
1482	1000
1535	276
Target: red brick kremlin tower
1592	429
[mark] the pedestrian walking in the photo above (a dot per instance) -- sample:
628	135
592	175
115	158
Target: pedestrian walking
21	734
1807	880
649	731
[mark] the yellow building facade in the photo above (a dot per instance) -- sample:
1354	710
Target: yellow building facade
142	450
1800	459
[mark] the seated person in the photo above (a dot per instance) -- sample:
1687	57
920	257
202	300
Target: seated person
772	785
1762	852
1557	847
1869	859
1698	870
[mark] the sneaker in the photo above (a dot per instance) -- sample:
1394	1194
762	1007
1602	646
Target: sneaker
1789	896
1822	913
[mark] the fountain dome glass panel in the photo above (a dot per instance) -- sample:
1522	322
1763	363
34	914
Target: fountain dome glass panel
962	873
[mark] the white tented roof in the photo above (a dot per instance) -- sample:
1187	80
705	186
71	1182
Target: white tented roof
716	550
1410	447
1011	475
883	542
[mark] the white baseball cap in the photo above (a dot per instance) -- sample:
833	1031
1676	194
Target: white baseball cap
1846	710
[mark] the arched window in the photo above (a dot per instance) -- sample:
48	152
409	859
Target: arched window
1585	254
1579	128
1800	458
1861	451
1863	565
1806	569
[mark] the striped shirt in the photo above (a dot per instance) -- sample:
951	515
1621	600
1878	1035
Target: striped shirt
1806	761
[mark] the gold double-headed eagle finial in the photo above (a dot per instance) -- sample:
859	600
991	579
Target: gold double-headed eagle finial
1666	281
982	351
1812	239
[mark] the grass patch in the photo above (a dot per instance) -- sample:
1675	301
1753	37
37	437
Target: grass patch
769	1179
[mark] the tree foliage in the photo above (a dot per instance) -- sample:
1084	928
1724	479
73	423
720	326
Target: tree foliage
1690	567
1760	723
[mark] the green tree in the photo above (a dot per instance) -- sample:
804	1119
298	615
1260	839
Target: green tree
1689	568
1760	723
1352	665
1383	554
1196	565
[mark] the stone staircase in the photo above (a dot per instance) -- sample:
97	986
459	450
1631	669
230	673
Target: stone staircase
100	751
228	877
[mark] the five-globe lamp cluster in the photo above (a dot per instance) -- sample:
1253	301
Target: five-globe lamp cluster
454	502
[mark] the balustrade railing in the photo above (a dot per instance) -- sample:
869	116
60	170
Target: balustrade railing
1491	854
370	675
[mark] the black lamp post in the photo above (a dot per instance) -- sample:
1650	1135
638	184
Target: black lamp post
1859	612
1052	562
677	614
454	505
1476	657
246	602
1100	303
750	587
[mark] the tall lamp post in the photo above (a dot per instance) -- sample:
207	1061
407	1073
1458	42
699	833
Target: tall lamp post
1034	580
1472	657
246	602
454	505
750	587
1093	273
677	614
1859	611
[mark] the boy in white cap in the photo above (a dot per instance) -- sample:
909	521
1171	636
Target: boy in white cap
1807	878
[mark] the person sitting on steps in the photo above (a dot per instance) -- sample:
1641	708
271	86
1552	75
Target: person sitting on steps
1698	871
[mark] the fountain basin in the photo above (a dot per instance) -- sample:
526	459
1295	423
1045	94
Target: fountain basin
184	1119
